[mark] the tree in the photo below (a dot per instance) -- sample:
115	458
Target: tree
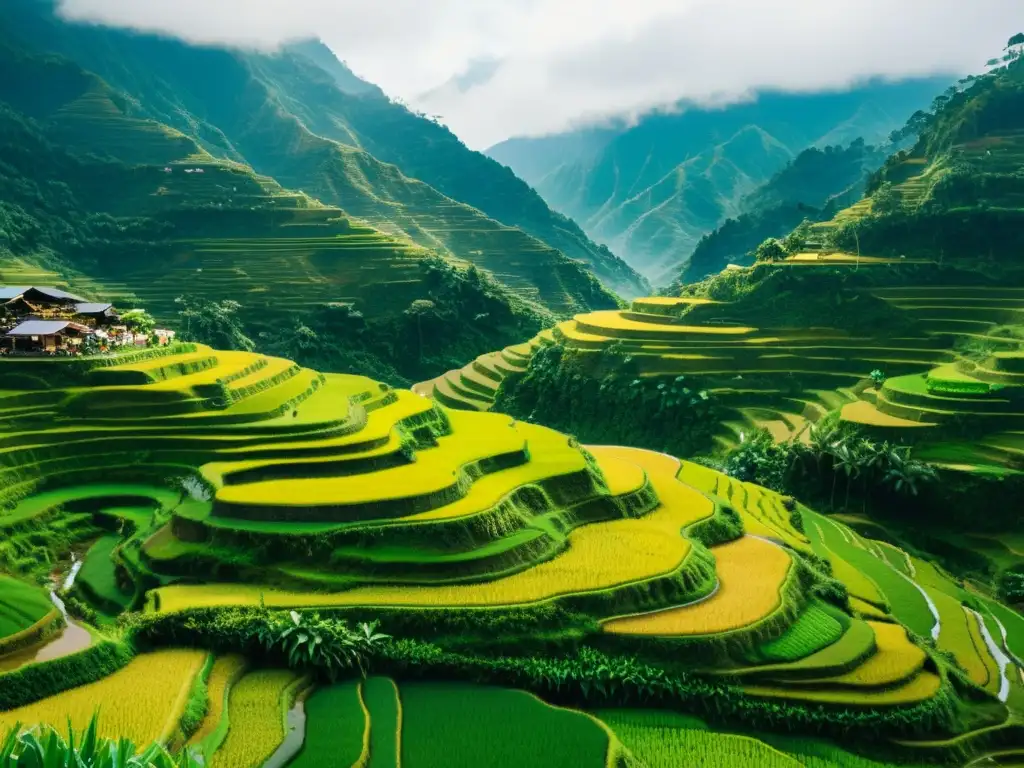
796	240
877	377
906	475
886	201
770	250
418	310
138	321
213	322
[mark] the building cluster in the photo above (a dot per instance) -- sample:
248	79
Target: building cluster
47	320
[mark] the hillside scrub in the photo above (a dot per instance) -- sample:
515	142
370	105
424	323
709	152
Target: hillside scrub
462	314
608	403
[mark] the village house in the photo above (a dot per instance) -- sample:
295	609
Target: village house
51	320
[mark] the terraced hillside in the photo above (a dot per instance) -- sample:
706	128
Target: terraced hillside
782	379
233	485
149	101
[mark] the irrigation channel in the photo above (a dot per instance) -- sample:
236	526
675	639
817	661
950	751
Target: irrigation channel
294	738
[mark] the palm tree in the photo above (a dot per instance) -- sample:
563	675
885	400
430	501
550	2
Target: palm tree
905	475
848	459
873	458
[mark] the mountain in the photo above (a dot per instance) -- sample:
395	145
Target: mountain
650	191
958	192
303	112
814	185
140	169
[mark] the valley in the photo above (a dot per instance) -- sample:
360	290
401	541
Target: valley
326	440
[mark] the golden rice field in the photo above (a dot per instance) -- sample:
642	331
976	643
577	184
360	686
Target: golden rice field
895	659
142	702
614	321
959	635
550	456
920	687
862	607
432	471
226	670
256	709
599	556
751	575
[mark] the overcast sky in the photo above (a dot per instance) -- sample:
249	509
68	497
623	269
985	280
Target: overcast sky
499	68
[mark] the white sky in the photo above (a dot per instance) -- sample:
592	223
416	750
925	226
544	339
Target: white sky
539	66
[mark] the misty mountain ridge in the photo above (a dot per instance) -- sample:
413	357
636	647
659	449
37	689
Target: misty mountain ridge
651	189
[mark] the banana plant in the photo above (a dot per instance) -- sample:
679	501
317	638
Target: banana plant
44	747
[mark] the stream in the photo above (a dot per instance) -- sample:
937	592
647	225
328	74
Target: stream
72	639
997	653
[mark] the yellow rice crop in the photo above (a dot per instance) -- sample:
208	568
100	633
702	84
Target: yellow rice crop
476	436
622	476
550	456
895	659
863	412
751	574
700	477
599	556
226	670
142	702
613	320
866	609
959	635
379	424
656	463
922	686
256	713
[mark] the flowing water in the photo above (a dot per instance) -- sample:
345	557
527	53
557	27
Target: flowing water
72	639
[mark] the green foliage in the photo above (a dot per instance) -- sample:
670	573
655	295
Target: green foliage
307	642
138	321
877	377
463	313
758	459
198	703
1011	584
215	323
573	393
591	678
38	681
325	645
46	748
770	250
886	200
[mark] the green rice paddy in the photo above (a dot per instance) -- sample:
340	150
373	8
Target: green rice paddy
466	726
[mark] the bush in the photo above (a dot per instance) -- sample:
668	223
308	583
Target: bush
38	681
602	400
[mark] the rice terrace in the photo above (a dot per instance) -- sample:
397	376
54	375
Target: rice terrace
689	439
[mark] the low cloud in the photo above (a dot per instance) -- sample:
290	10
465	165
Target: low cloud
501	68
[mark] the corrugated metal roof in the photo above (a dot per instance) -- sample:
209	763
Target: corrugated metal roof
44	327
56	293
8	292
91	308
